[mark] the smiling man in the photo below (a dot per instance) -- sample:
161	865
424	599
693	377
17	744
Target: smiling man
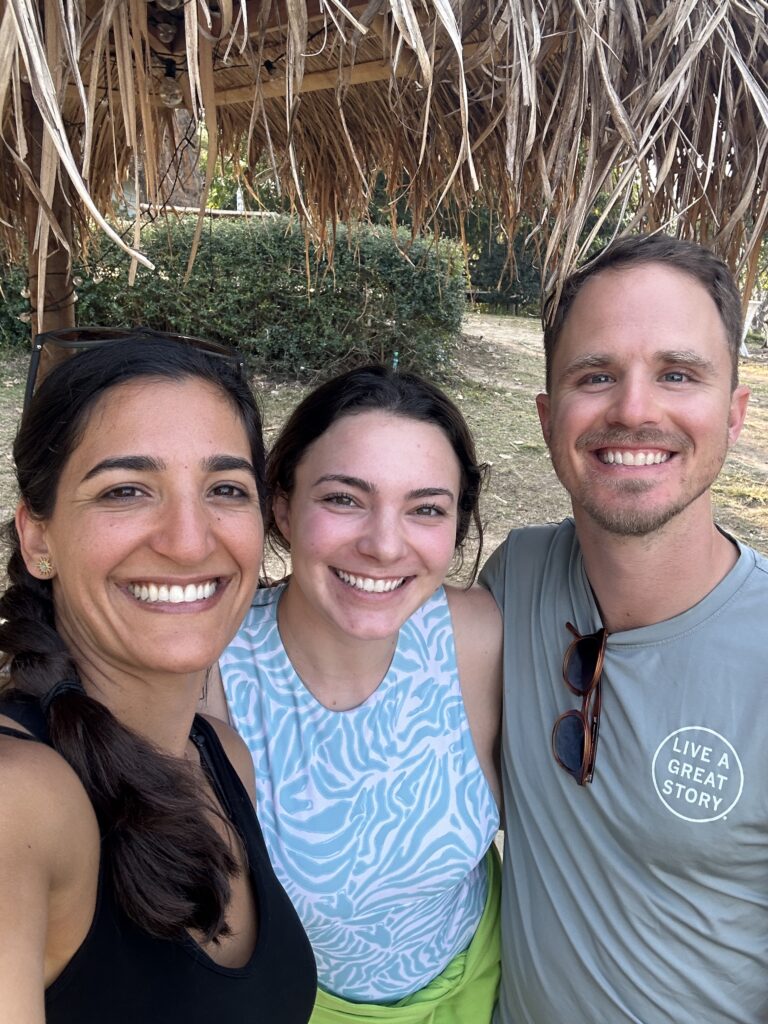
635	867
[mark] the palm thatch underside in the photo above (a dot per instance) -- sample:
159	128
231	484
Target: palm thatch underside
535	106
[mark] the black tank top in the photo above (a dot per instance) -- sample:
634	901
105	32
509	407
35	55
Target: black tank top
123	975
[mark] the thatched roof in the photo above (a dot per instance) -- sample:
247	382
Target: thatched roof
662	104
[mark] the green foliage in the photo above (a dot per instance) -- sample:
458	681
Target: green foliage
13	332
249	288
516	282
493	268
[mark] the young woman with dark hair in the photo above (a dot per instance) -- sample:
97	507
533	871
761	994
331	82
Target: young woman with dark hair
134	882
369	695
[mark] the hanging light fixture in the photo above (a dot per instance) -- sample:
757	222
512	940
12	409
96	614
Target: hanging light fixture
170	91
165	32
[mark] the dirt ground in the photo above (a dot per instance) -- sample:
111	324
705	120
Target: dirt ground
501	368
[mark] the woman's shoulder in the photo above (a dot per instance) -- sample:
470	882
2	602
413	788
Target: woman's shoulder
476	616
37	783
49	861
49	824
478	636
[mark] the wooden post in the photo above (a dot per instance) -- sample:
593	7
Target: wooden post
59	308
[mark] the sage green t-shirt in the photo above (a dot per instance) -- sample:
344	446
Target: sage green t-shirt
643	896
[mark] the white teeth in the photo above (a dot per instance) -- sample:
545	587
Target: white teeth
630	458
369	585
152	593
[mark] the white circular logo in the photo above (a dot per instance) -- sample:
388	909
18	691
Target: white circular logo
697	774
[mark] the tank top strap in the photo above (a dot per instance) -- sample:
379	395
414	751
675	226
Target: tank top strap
18	734
25	710
222	775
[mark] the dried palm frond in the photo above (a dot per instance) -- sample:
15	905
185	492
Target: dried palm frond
658	107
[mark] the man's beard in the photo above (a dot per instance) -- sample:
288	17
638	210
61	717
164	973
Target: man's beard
638	521
627	520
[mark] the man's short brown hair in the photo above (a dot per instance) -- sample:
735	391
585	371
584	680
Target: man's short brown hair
689	257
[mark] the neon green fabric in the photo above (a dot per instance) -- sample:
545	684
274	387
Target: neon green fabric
465	993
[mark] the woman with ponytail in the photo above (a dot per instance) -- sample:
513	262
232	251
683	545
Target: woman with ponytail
370	697
134	882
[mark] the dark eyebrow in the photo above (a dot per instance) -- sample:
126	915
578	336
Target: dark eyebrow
133	463
430	492
147	464
592	361
686	357
599	360
225	463
369	488
348	481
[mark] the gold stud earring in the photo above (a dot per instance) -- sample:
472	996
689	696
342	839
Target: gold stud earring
44	565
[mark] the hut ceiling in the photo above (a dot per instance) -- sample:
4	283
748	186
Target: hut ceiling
661	105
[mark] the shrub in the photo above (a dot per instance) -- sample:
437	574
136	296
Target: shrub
382	298
13	332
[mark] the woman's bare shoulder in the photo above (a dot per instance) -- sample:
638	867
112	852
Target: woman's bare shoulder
49	855
40	792
476	617
478	634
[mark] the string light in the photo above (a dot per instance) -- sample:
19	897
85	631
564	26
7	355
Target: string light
165	32
170	91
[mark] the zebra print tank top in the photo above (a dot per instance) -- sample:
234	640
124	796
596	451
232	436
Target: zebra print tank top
377	818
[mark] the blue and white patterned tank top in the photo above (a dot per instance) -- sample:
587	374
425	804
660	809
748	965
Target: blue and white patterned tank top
376	819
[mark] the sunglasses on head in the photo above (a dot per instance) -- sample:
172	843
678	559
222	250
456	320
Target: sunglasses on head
574	735
54	347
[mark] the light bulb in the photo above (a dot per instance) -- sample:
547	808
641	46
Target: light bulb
169	5
165	32
170	91
25	317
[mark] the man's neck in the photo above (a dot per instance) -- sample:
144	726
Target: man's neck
638	581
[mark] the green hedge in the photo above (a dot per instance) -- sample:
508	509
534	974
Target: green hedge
13	302
249	288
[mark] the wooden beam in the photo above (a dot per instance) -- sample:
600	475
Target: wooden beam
315	81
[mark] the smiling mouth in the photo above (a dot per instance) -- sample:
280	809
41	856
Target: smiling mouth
174	593
369	584
627	457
